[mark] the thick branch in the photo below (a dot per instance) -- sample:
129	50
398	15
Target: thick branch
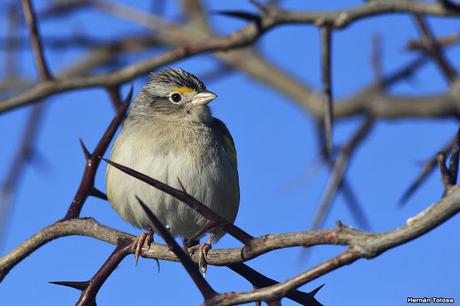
361	244
245	36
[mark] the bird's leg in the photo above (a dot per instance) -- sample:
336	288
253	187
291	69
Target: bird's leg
203	250
143	238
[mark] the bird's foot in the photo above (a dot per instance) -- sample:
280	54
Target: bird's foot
144	238
203	250
203	264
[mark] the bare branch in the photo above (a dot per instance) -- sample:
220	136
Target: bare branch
427	169
88	295
376	60
328	106
187	199
87	181
243	37
31	20
445	41
435	50
205	289
259	280
445	175
338	171
361	244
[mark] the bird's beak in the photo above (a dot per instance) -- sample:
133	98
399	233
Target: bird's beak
203	98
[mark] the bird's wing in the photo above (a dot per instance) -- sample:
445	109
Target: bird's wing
228	139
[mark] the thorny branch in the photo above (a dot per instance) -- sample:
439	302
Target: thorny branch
243	37
86	187
339	169
372	102
360	244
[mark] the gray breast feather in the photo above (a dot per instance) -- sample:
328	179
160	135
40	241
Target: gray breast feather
194	153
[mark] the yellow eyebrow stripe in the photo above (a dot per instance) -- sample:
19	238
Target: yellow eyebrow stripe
183	90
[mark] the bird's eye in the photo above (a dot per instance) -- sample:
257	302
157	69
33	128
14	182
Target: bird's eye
175	97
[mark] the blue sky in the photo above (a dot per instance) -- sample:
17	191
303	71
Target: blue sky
277	151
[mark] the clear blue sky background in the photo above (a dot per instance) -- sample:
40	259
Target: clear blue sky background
277	150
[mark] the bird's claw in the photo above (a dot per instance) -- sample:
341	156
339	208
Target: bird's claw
143	238
203	250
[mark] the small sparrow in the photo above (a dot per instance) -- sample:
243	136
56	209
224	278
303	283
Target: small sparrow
170	134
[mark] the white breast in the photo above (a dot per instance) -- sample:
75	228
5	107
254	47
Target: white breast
206	171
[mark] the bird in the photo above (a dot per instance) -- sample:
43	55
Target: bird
170	134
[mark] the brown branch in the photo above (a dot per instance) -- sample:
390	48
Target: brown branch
445	41
366	246
435	50
243	37
361	244
449	173
206	290
339	170
454	159
93	160
345	188
115	98
427	168
376	60
343	18
90	228
445	176
25	151
190	201
278	291
88	295
328	106
31	20
259	280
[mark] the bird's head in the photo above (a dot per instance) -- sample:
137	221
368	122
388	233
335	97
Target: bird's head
174	94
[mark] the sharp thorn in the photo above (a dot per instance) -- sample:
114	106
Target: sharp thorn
76	285
98	194
85	150
315	291
181	185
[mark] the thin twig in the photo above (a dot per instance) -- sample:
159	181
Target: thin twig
376	60
115	98
192	269
345	188
328	107
259	280
454	158
427	168
93	160
241	38
445	175
435	50
361	244
88	295
444	41
31	20
339	169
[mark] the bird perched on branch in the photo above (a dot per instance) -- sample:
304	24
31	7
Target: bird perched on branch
171	135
